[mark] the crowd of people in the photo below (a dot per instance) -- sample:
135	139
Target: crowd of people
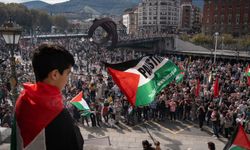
109	106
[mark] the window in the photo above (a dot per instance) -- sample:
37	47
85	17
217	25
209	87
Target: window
238	19
245	18
229	19
245	28
215	19
222	19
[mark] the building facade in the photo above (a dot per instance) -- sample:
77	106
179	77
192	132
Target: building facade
226	16
197	19
130	20
190	17
186	13
158	16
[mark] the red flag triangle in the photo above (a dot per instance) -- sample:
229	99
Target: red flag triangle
77	98
241	139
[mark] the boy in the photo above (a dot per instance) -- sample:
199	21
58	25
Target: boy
41	121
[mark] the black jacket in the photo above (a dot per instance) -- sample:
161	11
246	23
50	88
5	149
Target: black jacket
63	134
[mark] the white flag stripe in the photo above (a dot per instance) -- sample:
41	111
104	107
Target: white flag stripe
84	104
143	80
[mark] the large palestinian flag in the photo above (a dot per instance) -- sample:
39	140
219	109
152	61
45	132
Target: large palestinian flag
38	105
141	79
238	141
80	104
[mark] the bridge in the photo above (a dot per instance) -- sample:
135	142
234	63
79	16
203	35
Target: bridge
149	44
168	44
54	36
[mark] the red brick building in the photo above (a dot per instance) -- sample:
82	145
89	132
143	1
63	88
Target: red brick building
226	16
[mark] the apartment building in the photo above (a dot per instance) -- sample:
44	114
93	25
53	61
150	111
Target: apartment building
158	16
130	20
226	16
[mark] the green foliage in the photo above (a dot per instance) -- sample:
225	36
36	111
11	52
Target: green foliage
3	12
184	37
228	39
44	21
245	42
30	19
202	39
19	13
60	22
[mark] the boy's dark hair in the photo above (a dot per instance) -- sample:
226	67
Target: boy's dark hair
48	57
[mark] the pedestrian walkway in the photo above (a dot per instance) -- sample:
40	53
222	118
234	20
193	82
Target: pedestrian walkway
124	137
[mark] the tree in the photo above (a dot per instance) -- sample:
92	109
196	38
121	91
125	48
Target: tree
60	22
202	39
20	14
44	21
3	12
228	39
28	19
184	37
245	42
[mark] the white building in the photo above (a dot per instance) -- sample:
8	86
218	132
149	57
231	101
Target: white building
130	20
158	16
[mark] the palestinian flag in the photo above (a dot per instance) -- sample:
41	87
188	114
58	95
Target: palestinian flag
238	141
248	71
37	106
80	104
197	89
141	79
247	74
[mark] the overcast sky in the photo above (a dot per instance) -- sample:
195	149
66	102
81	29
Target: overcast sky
21	1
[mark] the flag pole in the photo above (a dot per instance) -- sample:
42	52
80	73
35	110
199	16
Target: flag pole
149	133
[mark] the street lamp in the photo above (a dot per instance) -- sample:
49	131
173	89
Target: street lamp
215	48
11	33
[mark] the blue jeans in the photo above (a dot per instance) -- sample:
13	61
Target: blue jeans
215	128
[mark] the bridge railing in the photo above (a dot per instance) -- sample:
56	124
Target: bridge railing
146	37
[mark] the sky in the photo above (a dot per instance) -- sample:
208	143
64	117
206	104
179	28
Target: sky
22	1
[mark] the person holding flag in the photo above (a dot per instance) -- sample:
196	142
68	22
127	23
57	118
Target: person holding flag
82	106
41	120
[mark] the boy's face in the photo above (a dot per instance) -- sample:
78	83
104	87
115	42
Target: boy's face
63	78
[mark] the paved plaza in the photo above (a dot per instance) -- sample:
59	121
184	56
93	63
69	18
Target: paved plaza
172	136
